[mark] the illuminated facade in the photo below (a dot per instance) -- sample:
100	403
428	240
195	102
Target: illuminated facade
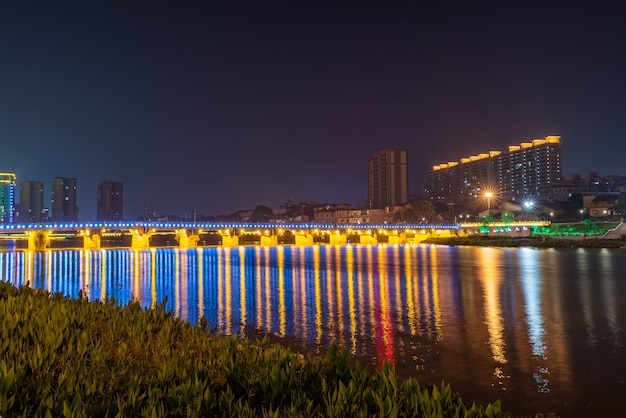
520	171
64	208
110	201
31	201
387	182
7	197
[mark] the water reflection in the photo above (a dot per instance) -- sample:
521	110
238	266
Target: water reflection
523	325
491	280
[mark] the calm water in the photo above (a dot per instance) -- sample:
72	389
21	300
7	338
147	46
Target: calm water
543	330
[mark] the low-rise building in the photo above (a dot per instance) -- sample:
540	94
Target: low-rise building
601	205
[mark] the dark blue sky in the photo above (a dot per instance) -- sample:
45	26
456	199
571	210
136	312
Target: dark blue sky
220	106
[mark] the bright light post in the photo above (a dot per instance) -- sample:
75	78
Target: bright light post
581	215
529	204
488	195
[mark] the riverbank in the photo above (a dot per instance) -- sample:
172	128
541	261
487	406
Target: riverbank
533	241
70	357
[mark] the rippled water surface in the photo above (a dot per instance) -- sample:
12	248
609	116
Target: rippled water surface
543	330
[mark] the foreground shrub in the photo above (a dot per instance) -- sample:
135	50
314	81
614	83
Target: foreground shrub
69	357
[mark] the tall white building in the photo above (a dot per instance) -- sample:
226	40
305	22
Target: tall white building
519	172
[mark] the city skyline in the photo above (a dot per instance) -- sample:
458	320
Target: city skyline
230	106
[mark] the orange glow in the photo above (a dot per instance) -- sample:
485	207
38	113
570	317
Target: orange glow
491	282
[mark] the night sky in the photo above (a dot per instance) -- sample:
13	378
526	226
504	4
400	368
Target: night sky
216	107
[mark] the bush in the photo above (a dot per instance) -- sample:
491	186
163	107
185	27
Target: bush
70	357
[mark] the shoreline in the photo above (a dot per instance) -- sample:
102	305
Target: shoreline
533	241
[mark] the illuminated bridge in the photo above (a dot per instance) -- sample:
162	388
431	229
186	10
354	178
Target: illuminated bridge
139	235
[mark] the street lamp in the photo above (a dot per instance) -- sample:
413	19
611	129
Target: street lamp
581	215
488	195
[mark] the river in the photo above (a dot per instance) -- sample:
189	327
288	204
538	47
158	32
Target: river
542	330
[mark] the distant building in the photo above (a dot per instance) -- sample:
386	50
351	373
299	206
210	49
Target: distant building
601	205
31	201
584	186
7	197
337	214
387	181
110	201
521	171
63	203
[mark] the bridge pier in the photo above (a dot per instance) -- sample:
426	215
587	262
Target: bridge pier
91	242
186	241
38	240
304	239
141	241
270	241
228	241
368	240
338	239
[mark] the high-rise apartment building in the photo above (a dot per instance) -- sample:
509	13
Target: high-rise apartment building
31	201
388	175
110	201
63	204
7	197
513	174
